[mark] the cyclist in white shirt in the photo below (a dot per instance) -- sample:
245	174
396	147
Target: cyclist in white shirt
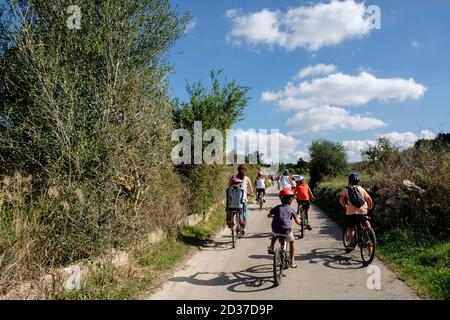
285	181
260	186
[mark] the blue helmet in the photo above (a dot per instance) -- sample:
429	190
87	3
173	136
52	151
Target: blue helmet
354	177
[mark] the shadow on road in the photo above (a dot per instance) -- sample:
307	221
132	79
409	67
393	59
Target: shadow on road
332	258
329	257
253	279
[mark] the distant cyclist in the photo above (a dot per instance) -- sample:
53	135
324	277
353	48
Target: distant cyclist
248	190
356	202
285	181
260	186
303	196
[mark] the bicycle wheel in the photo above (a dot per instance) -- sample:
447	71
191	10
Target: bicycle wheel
368	246
277	267
233	232
238	230
347	245
303	223
233	237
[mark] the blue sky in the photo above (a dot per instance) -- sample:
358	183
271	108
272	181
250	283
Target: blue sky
394	81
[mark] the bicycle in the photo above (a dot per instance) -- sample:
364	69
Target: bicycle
280	258
364	237
303	221
236	228
261	201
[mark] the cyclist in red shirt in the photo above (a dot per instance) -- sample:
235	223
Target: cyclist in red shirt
303	195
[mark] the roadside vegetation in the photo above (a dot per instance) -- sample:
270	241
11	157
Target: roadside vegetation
410	189
85	143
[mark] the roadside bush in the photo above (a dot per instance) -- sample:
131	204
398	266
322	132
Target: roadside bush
88	126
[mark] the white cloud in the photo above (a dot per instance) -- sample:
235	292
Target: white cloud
328	118
427	135
295	104
318	69
347	90
310	27
402	140
354	147
288	147
406	140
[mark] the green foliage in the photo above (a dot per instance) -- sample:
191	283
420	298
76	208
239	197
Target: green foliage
382	152
423	264
328	159
441	142
88	117
218	108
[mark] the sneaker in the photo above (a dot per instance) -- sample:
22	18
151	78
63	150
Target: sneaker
264	200
293	264
270	250
308	227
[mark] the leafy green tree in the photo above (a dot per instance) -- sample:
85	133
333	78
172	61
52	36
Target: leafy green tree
327	159
380	152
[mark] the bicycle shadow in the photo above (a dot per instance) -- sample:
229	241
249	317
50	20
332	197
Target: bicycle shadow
253	279
333	258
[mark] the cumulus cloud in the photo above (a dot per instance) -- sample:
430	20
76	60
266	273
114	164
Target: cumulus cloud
402	140
347	90
354	147
316	70
289	148
405	140
310	27
327	118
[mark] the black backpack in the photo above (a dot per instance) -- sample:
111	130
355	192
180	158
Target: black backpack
355	196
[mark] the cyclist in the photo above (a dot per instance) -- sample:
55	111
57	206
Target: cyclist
282	216
234	201
303	196
285	181
260	186
248	190
356	202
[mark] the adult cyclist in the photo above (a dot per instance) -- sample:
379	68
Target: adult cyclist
352	210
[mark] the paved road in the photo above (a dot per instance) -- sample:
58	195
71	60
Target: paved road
324	270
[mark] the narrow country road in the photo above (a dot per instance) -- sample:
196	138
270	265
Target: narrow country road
324	270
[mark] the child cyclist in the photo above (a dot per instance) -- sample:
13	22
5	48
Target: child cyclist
235	201
303	195
282	216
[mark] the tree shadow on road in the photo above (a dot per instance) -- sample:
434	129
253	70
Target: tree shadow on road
253	279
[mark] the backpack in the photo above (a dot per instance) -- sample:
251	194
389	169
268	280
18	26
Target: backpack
355	196
235	197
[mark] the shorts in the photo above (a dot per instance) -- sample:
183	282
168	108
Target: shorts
289	236
262	190
304	203
354	219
